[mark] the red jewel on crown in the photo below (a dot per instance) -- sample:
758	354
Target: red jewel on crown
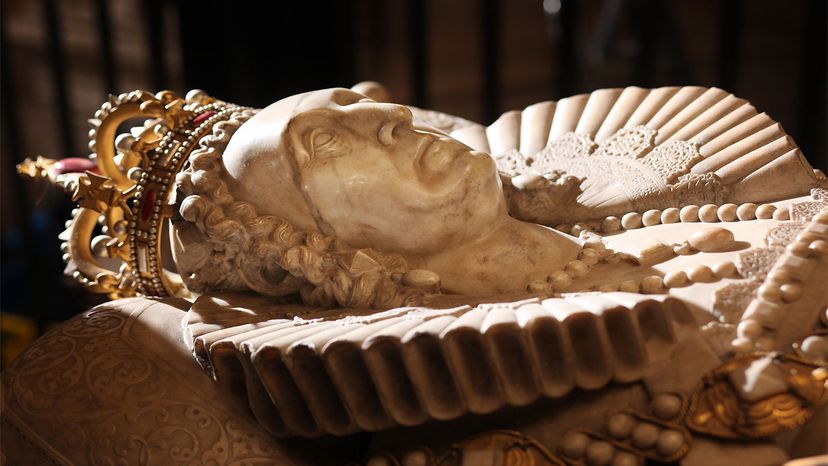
203	117
74	165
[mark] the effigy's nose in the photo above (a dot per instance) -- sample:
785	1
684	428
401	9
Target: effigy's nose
393	112
384	112
393	116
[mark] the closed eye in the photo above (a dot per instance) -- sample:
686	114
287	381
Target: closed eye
326	144
321	138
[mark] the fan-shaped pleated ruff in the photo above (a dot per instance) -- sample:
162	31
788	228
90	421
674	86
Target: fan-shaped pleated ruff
743	147
411	366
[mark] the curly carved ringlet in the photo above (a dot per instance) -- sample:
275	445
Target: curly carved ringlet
231	246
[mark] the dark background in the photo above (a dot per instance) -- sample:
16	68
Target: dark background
472	58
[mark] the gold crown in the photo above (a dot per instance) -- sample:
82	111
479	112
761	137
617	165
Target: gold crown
128	192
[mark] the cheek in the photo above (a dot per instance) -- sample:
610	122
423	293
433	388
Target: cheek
346	195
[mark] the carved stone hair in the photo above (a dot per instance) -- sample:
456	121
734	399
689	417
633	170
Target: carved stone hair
221	243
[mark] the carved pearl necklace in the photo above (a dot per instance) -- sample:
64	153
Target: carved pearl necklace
708	213
592	252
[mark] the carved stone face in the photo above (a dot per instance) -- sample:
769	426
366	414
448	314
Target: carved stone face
340	163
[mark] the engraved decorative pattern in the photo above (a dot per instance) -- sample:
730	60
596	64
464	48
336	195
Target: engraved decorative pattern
628	142
784	234
628	160
730	301
672	160
699	189
804	211
757	262
568	146
115	402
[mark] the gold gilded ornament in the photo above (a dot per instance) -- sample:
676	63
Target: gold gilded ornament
126	187
792	387
499	447
41	167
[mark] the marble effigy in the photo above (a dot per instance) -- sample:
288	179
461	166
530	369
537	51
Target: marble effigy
613	278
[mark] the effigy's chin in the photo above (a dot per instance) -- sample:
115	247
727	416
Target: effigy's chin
691	328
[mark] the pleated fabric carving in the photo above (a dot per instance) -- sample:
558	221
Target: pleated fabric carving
619	150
